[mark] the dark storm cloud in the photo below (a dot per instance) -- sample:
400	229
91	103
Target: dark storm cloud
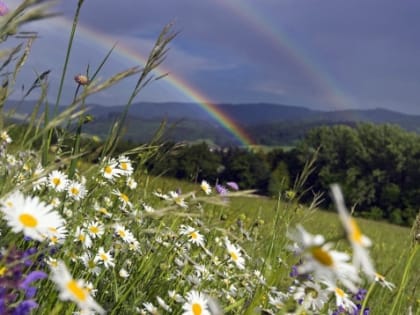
364	49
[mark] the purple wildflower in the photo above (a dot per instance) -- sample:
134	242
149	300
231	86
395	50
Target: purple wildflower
33	276
25	307
221	190
233	185
3	8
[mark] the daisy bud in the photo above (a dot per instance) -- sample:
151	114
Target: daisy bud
81	79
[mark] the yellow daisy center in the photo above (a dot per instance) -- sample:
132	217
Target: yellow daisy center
74	191
322	256
3	271
56	181
197	309
339	292
194	235
94	229
233	256
121	233
81	237
108	169
124	166
355	233
104	257
124	197
28	220
79	292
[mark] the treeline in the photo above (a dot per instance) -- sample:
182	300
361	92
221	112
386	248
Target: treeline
378	167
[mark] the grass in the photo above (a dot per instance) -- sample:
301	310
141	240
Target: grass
104	237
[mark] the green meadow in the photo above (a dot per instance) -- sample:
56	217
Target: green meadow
84	230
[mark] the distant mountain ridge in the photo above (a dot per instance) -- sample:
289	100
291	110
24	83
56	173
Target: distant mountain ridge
191	122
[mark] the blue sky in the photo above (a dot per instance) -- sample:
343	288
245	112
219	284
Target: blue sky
321	54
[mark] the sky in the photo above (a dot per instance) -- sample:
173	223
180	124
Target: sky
320	54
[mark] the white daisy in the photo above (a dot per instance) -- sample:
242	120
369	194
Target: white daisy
95	229
326	264
123	198
178	199
74	290
194	236
30	215
196	304
90	263
122	232
205	187
311	296
76	190
105	258
383	282
110	170
342	299
358	241
235	254
4	136
125	165
131	183
57	180
123	273
82	236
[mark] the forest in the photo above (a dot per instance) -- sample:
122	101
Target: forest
378	167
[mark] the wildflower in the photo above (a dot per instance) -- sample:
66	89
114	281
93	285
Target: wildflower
110	170
74	290
96	229
326	264
195	304
56	235
30	215
58	181
232	185
178	199
342	299
123	273
131	183
175	296
122	232
90	263
358	241
160	195
278	300
123	198
83	237
26	284
81	79
382	281
4	136
103	211
149	307
311	296
125	165
76	190
205	187
221	190
235	254
194	236
163	304
105	257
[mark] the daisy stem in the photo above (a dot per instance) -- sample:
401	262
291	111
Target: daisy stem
63	75
368	293
404	280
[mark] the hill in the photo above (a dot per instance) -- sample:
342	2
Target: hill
268	124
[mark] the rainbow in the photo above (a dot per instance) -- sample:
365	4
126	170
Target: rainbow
177	82
278	39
